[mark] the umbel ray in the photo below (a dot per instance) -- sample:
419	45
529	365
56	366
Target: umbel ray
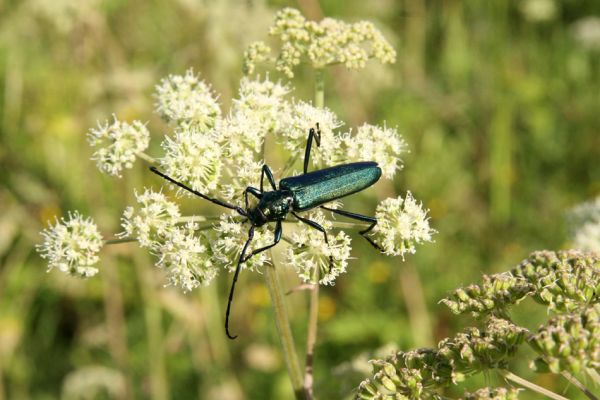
296	194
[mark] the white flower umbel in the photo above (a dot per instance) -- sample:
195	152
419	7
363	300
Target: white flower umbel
187	99
118	144
309	252
230	240
372	143
185	256
402	224
296	126
72	245
151	221
264	100
193	157
241	178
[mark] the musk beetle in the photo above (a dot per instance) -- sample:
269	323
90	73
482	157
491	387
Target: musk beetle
296	194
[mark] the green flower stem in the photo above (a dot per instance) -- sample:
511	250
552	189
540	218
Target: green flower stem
594	375
147	158
120	240
319	88
313	316
285	332
530	385
578	385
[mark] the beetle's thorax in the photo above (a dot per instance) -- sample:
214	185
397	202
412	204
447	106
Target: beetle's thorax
273	206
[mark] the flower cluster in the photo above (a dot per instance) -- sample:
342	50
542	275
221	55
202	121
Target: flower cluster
220	154
119	143
186	99
72	245
563	281
152	221
494	295
585	222
182	251
493	394
569	342
311	257
185	256
416	374
402	224
323	43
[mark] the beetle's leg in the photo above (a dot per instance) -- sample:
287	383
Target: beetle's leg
243	258
318	227
215	201
359	217
235	277
253	191
267	171
312	133
276	239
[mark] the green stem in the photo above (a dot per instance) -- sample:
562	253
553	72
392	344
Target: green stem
120	240
284	331
313	316
319	88
594	375
530	385
147	158
579	385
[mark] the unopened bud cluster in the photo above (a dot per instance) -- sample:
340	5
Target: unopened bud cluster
563	281
323	43
569	342
417	374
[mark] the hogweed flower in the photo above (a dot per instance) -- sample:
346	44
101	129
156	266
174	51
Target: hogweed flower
569	342
303	117
374	143
311	257
195	157
327	42
493	394
119	143
222	155
417	373
187	99
231	235
402	224
72	245
151	221
185	256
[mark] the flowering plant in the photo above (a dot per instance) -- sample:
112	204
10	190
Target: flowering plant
220	154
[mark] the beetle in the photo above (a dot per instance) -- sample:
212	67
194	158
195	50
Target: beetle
296	194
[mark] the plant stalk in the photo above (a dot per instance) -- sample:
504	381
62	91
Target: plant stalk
313	316
530	385
578	385
285	333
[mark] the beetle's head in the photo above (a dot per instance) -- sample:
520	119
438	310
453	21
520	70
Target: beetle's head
273	206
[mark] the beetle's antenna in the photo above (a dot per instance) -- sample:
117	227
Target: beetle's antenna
215	201
235	277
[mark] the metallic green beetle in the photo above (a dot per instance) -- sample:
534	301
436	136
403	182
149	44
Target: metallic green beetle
296	194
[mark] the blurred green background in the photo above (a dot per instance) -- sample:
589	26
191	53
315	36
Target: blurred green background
498	100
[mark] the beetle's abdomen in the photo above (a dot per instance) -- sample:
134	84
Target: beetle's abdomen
319	187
